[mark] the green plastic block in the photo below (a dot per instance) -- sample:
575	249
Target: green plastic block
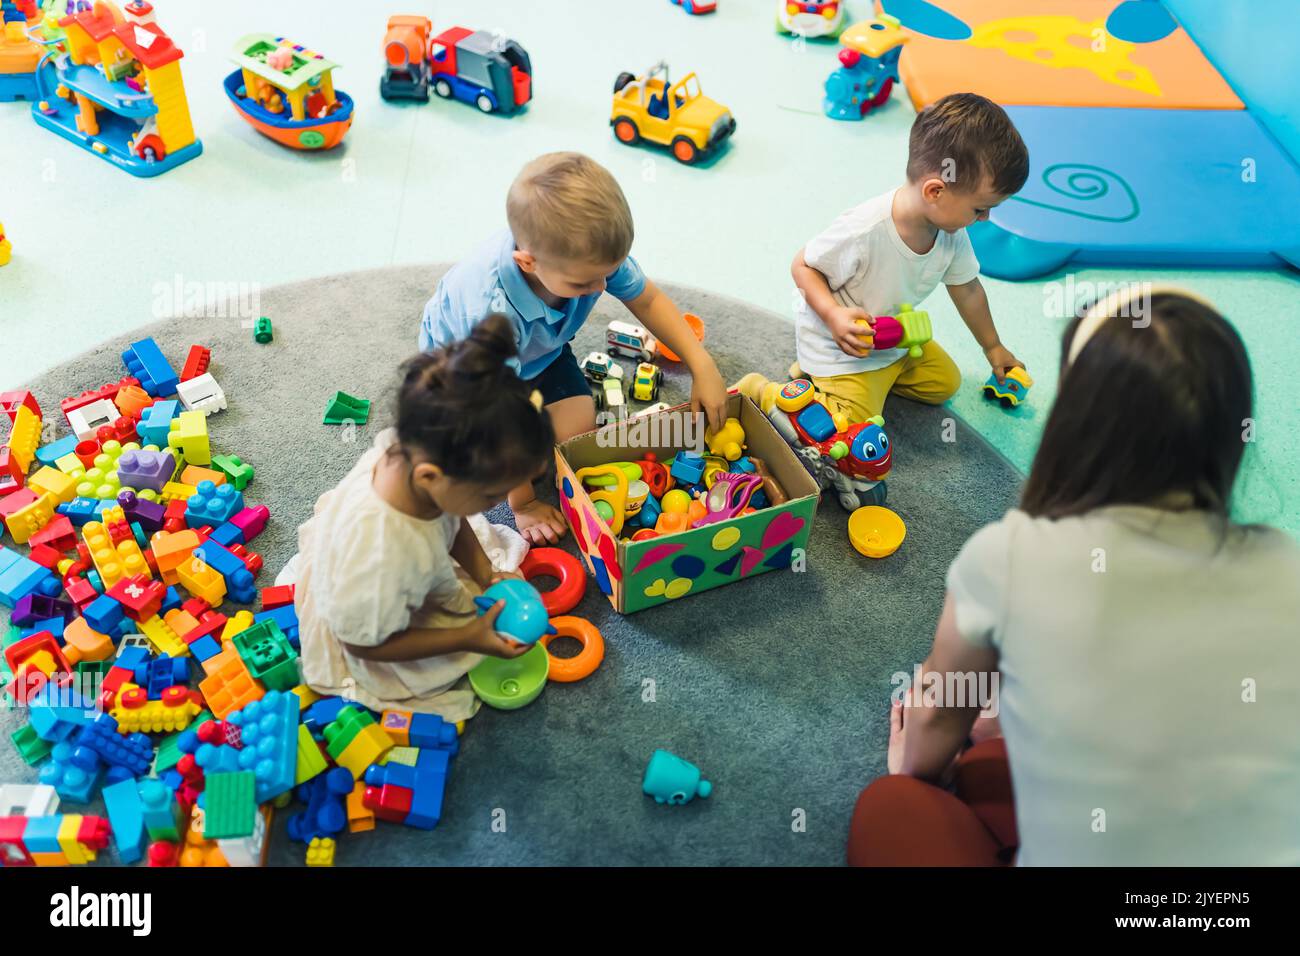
12	636
229	807
232	466
30	746
345	729
347	408
262	331
269	655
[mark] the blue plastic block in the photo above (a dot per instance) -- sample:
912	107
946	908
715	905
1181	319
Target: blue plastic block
145	361
126	816
324	711
172	779
92	578
171	600
205	647
101	740
326	799
287	619
687	467
41	835
20	576
430	730
155	423
104	614
72	782
78	510
49	454
158	674
240	586
398	775
53	627
160	810
130	658
269	731
227	534
57	713
212	505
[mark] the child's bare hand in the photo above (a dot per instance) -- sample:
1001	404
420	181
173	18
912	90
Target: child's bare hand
1001	360
709	395
540	523
484	639
852	338
505	576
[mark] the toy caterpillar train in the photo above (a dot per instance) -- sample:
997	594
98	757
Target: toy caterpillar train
852	459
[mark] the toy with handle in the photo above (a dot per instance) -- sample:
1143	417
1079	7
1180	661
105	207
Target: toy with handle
909	329
729	496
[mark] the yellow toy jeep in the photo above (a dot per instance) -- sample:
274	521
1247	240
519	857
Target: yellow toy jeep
677	115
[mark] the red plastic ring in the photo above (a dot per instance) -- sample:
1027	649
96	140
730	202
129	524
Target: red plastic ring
556	563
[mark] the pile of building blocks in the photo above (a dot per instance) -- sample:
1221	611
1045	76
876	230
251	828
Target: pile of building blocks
154	673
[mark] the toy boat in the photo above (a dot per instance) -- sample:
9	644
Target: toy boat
286	92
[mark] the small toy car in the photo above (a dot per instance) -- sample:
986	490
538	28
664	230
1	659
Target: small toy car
613	394
677	115
597	366
1013	390
631	341
810	18
655	408
697	7
646	382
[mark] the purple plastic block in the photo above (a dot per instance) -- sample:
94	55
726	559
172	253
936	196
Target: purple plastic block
37	607
145	469
251	521
149	515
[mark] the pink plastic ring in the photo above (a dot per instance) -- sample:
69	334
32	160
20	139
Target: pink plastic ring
556	563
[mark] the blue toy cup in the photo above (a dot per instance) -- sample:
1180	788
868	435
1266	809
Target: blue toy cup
524	618
672	780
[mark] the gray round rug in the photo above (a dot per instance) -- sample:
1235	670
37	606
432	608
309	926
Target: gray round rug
777	688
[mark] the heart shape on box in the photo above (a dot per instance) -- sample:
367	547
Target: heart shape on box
781	529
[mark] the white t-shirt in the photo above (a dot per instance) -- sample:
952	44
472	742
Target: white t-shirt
1125	691
366	571
869	266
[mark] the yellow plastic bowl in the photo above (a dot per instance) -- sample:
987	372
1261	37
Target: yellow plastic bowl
876	532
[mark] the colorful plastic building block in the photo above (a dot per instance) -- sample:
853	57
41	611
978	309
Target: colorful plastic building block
155	422
285	617
196	362
11	401
25	437
346	408
101	742
162	638
672	780
251	522
162	818
73	782
131	401
126	817
326	814
38	607
687	468
201	581
355	741
188	434
140	469
268	730
145	361
114	560
262	331
202	394
268	655
28	800
58	484
213	504
230	687
20	576
233	467
149	515
411	795
277	596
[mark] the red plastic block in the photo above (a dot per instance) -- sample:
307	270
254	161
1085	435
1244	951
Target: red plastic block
122	430
108	391
252	560
12	474
174	520
17	501
141	597
59	534
81	591
10	402
196	607
46	556
196	363
277	596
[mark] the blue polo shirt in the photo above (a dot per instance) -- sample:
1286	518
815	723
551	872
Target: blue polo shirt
488	281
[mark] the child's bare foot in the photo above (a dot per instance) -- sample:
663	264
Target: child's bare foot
538	522
986	727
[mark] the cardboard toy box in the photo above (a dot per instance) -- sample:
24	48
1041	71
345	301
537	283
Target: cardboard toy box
635	575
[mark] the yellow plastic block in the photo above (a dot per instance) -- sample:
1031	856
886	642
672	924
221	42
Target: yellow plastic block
310	760
156	717
189	436
202	582
54	482
237	622
113	561
162	638
25	522
367	747
76	852
175	491
306	696
320	852
71	465
25	437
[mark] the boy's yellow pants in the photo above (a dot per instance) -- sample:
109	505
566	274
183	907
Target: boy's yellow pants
932	378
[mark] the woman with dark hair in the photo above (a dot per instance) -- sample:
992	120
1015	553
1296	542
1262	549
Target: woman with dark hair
1145	648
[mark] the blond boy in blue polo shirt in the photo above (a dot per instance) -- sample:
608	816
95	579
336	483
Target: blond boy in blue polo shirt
570	232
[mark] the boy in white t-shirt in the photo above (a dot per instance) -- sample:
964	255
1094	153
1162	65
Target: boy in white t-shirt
964	158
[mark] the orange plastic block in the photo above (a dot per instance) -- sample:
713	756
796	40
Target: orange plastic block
132	400
25	522
360	819
232	688
198	851
181	621
113	561
170	550
217	662
202	582
397	724
50	859
81	642
25	437
62	486
193	474
162	638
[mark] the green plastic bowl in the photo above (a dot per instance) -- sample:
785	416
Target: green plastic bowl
511	684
